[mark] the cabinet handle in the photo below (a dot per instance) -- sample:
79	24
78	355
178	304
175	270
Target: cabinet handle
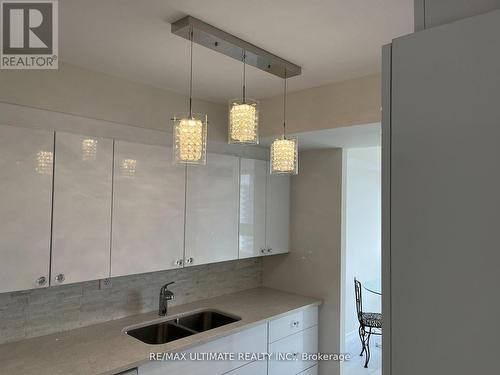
179	262
263	251
41	281
189	260
60	278
269	250
295	323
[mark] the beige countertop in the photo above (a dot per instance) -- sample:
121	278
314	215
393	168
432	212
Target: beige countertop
105	348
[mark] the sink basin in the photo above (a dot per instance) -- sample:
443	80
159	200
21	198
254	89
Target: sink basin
178	328
160	333
205	320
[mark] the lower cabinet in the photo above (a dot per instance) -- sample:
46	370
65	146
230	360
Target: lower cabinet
286	351
293	323
129	372
310	371
294	345
291	336
252	368
253	340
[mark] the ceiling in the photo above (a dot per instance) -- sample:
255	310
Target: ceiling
333	40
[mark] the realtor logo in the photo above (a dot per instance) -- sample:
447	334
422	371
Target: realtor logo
29	37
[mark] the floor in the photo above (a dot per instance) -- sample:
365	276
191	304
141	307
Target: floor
355	365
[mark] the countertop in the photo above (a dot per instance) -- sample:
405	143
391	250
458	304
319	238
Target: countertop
104	349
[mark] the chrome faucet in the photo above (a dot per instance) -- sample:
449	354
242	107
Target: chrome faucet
165	296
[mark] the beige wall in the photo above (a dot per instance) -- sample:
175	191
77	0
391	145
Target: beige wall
99	96
96	95
316	245
341	104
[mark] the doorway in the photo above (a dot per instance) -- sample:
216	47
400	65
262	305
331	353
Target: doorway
362	254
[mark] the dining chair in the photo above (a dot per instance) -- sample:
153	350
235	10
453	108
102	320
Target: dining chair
369	323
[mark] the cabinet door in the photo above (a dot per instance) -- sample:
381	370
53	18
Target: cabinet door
305	341
252	340
129	372
252	231
253	368
26	158
212	202
148	209
277	214
81	231
310	371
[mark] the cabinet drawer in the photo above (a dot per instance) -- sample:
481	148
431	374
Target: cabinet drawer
292	323
129	372
305	341
253	368
310	371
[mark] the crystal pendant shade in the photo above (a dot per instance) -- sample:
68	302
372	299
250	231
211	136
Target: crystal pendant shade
243	121
190	139
284	160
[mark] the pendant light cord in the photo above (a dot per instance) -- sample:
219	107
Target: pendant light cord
244	75
284	109
191	76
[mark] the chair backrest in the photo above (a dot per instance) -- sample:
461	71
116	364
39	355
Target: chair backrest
359	299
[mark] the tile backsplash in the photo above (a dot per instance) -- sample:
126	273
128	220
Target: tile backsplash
42	311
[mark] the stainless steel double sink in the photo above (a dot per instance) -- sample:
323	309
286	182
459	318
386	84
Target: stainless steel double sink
183	326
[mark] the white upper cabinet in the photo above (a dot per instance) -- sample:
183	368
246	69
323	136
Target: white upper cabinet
148	210
252	231
115	208
81	231
26	158
277	214
212	202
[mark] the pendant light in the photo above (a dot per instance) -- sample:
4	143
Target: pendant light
190	131
243	117
284	151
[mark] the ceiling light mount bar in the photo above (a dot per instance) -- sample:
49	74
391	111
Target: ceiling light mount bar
232	46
